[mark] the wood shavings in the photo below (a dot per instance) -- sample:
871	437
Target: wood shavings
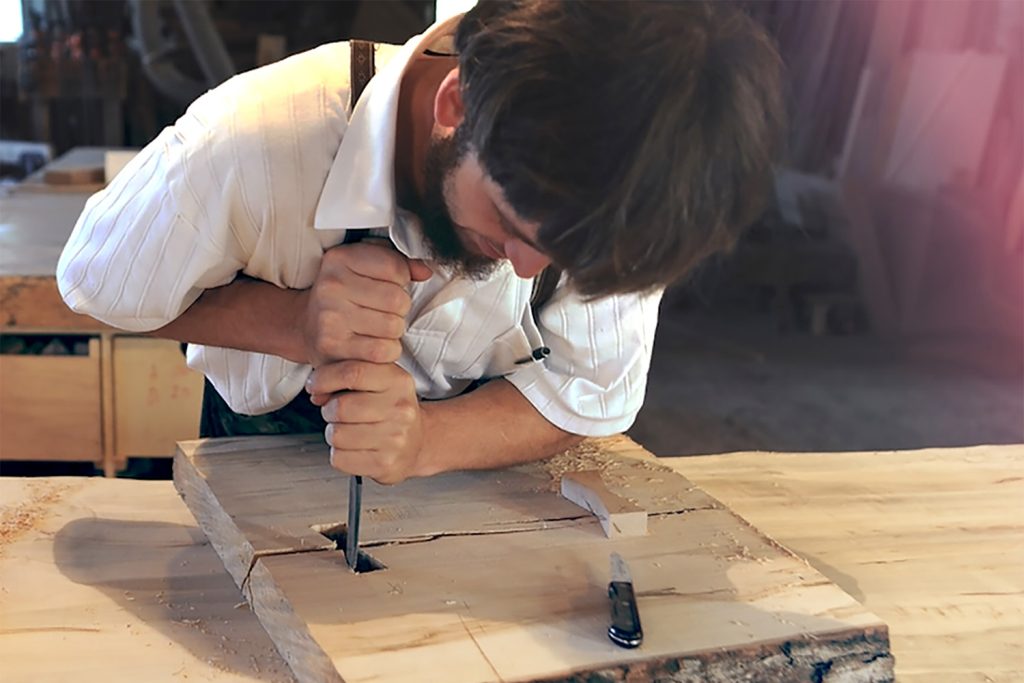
17	520
585	456
595	454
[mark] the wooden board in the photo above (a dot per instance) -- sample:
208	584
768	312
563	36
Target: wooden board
32	303
157	399
110	580
76	176
71	162
50	407
36	227
493	576
931	541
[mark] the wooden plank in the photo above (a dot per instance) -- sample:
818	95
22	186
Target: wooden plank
618	516
494	576
74	176
157	399
268	517
110	462
111	580
50	407
36	227
73	158
931	541
33	303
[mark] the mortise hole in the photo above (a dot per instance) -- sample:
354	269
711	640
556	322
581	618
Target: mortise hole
339	534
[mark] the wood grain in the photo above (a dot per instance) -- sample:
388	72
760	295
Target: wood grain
157	399
36	227
494	576
74	176
33	303
49	407
932	541
269	517
618	516
111	580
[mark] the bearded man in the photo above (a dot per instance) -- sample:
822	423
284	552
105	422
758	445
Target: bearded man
605	148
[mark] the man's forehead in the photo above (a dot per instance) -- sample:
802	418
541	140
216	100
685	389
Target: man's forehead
513	223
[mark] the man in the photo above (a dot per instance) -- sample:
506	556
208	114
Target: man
622	142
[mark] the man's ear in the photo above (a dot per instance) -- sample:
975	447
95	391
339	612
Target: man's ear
448	111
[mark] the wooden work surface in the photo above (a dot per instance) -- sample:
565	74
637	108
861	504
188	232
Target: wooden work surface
109	579
33	230
493	576
931	541
34	226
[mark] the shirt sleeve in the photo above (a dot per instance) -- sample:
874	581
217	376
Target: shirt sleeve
593	382
172	223
231	186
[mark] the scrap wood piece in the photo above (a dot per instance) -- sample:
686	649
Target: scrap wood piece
77	175
618	516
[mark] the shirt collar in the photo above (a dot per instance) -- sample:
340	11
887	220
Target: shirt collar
360	187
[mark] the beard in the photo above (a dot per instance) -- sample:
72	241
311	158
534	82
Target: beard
440	234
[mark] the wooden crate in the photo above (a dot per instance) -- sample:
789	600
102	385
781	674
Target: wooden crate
157	399
50	407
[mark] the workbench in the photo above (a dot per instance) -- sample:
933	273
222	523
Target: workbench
112	580
119	395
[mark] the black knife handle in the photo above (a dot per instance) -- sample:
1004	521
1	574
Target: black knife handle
625	630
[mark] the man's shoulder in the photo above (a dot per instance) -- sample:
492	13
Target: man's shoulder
321	69
304	96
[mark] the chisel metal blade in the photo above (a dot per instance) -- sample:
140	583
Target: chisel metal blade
355	506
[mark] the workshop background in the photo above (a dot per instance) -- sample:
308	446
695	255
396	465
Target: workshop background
878	304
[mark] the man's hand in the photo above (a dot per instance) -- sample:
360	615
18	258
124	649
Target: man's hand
356	307
375	425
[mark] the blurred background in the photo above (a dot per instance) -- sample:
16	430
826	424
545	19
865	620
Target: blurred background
878	304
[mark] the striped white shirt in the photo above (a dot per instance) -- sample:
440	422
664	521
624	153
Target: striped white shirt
268	170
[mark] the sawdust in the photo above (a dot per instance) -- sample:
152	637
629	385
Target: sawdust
594	454
585	456
18	520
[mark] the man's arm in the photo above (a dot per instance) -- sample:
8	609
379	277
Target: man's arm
494	426
246	314
378	428
355	309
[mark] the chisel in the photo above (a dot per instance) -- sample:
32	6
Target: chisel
355	505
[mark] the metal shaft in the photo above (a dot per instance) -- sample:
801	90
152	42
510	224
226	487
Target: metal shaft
355	505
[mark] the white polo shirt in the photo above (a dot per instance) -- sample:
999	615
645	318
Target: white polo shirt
268	170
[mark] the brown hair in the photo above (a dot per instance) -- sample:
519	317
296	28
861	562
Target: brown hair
640	135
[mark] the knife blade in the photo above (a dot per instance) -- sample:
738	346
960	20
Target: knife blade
625	630
355	505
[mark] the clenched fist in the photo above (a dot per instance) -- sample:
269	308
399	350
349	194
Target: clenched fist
374	421
356	307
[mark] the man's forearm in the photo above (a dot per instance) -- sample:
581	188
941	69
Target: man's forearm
494	426
246	314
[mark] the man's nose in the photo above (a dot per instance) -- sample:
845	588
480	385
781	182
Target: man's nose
527	261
